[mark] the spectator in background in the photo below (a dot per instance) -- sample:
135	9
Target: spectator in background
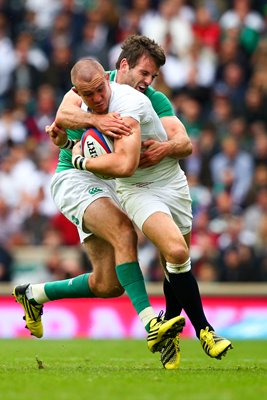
259	182
60	34
194	71
66	230
247	22
12	130
8	60
57	74
239	130
207	272
128	25
15	12
221	210
204	247
231	52
43	210
60	267
235	83
26	180
6	263
208	146
237	258
200	194
259	146
10	222
255	105
205	28
173	18
220	113
232	169
191	115
254	213
261	246
67	26
44	12
238	263
43	114
94	40
27	73
29	52
144	10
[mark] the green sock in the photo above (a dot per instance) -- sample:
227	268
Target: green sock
132	280
69	288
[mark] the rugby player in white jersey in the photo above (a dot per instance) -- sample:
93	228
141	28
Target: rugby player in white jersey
91	203
138	65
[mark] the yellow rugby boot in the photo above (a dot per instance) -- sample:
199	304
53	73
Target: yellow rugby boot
33	312
170	356
214	345
161	330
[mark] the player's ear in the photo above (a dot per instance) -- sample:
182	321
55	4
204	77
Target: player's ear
107	76
124	64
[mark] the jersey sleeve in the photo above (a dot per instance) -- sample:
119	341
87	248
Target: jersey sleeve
160	103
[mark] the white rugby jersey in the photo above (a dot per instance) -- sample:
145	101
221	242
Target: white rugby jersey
128	102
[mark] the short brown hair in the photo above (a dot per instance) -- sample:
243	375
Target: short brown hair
135	46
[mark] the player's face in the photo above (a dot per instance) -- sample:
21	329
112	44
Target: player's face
96	94
142	75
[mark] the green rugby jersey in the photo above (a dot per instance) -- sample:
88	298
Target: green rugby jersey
160	103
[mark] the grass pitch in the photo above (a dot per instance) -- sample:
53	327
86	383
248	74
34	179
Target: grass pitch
125	370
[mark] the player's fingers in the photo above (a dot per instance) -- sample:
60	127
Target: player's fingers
116	115
48	129
113	134
148	142
121	129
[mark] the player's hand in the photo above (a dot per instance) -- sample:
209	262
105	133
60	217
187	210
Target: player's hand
152	153
111	124
57	135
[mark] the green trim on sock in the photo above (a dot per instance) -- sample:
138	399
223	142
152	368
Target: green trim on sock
77	287
32	301
132	280
147	327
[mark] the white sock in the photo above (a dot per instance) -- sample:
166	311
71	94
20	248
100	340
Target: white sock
37	293
147	315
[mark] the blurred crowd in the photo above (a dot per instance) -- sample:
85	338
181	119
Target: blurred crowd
215	76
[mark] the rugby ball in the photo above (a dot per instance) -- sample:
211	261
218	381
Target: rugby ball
94	144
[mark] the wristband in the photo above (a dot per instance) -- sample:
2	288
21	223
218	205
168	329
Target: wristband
70	143
79	162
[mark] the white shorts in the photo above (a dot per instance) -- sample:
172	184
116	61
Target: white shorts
74	190
141	202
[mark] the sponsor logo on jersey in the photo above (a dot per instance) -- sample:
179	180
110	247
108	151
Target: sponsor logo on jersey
75	220
95	190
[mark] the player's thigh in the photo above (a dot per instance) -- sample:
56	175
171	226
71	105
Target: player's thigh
107	220
156	213
161	229
141	203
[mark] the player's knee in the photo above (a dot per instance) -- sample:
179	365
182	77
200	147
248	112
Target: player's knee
127	237
177	253
114	291
179	268
107	290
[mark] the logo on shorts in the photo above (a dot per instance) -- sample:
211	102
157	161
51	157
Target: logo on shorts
95	190
75	220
